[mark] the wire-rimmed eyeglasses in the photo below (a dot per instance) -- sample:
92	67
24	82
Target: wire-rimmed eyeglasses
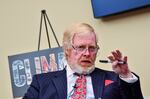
82	49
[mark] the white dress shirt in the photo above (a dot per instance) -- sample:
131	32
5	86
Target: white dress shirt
71	79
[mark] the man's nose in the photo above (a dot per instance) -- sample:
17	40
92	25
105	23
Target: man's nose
86	52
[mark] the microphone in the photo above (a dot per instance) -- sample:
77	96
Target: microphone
72	91
75	86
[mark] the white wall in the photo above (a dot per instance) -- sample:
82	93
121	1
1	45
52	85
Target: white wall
19	29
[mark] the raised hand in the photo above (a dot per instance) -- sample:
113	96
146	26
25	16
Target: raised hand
121	69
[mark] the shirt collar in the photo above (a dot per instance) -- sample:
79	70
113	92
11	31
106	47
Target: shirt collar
70	72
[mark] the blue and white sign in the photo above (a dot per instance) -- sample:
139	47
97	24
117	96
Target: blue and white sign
24	66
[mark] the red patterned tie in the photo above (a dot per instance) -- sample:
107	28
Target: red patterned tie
80	88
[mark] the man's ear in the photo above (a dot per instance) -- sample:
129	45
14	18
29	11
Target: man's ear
67	52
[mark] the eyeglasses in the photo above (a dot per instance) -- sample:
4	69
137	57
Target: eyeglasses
82	49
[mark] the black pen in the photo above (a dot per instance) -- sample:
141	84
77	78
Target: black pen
107	61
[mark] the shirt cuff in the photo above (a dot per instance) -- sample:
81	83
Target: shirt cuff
132	79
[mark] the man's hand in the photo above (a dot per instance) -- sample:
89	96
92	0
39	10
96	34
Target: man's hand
121	69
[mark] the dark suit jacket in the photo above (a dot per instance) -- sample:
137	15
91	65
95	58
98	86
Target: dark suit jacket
106	85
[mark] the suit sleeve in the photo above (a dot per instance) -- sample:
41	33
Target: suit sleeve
33	90
131	90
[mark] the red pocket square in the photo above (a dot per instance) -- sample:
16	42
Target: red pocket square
107	82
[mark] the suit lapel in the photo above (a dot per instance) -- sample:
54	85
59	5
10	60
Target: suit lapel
60	82
98	83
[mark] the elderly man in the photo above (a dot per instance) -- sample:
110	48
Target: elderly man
80	79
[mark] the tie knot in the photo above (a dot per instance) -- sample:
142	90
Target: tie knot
80	75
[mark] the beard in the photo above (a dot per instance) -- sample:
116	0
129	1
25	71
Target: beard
82	70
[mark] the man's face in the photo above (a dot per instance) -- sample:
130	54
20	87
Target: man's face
84	50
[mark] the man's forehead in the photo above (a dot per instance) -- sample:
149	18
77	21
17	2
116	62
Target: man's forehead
84	38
